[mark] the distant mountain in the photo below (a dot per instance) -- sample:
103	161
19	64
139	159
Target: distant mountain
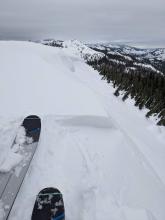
131	57
156	53
147	58
135	73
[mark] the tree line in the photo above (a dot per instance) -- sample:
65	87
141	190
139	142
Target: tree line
145	86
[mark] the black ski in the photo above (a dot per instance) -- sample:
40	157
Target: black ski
11	182
49	205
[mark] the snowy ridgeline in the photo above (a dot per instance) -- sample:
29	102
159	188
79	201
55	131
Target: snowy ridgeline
132	57
120	49
77	47
103	154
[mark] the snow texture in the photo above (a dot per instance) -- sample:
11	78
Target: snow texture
2	212
82	50
16	153
12	160
102	153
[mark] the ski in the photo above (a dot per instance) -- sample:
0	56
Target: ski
10	182
49	205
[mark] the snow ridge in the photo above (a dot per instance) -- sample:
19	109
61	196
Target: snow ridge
76	47
153	59
82	50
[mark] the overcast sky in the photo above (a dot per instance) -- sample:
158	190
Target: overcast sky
87	20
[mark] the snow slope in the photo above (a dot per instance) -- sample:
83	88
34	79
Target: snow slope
106	158
77	47
82	50
34	77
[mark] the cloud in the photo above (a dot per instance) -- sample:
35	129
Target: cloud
91	20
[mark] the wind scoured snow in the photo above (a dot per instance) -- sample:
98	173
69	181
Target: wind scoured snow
105	157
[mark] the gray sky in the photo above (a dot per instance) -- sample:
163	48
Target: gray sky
87	20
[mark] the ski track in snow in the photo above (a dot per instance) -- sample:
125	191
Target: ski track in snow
92	174
143	142
104	156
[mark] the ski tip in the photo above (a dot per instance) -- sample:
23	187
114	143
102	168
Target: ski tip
49	205
32	125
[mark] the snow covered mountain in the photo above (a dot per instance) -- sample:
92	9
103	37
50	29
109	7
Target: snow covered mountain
102	153
147	58
77	47
130	57
158	53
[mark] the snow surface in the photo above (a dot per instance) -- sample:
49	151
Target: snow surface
12	160
82	50
102	153
2	212
16	153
